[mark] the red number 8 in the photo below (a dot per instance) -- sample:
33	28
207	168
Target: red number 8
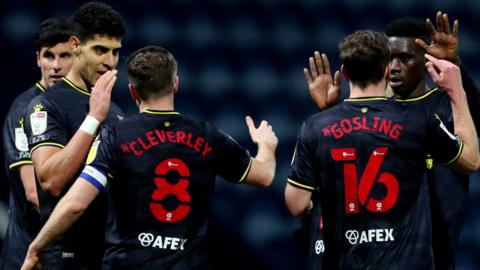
164	188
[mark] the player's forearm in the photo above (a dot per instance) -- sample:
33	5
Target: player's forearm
262	171
298	201
469	160
473	96
65	214
27	177
56	171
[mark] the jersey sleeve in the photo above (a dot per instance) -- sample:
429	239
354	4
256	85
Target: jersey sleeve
302	172
15	140
44	124
234	161
99	160
443	145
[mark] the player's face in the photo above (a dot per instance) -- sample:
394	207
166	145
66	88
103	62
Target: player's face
98	56
54	63
407	67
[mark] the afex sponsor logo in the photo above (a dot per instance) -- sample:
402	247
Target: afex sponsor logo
163	242
369	236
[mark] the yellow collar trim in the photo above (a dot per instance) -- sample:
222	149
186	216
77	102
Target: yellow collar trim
417	98
160	112
75	87
365	99
40	87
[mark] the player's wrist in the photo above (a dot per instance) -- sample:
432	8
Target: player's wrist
90	125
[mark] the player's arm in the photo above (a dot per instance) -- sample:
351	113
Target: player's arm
298	200
447	76
27	175
444	45
262	170
68	210
54	166
323	89
471	90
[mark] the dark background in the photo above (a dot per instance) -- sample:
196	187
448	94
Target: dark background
239	57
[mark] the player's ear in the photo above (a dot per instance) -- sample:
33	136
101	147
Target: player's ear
387	73
38	58
133	92
344	73
74	43
176	84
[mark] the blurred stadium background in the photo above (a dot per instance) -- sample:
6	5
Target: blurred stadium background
239	57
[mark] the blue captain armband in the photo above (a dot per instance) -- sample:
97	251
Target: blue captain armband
95	177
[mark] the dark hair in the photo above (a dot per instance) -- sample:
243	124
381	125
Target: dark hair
152	71
53	31
95	18
408	28
365	56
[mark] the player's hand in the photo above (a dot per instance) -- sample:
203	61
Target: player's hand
444	42
32	261
263	135
323	89
101	95
445	74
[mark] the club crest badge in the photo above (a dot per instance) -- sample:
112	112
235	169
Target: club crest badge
38	121
21	142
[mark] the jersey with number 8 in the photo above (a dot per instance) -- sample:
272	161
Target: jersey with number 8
160	168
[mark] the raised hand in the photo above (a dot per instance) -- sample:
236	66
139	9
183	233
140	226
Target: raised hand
101	95
32	261
444	42
445	74
263	135
323	90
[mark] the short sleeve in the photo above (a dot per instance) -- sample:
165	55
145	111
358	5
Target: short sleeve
15	141
99	160
443	145
44	124
234	161
302	172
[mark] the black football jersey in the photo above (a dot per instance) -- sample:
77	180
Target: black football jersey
448	189
22	214
160	168
52	119
366	157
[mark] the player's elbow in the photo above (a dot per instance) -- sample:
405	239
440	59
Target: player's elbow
49	187
467	165
293	207
32	197
75	208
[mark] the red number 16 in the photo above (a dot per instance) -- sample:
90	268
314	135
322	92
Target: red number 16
354	194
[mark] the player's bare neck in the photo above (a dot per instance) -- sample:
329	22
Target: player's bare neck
371	90
158	104
419	90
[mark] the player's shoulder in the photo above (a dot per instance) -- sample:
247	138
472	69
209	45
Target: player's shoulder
431	96
24	98
116	109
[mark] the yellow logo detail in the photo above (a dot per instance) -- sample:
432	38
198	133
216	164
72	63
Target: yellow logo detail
166	124
38	108
20	122
364	110
93	152
429	162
